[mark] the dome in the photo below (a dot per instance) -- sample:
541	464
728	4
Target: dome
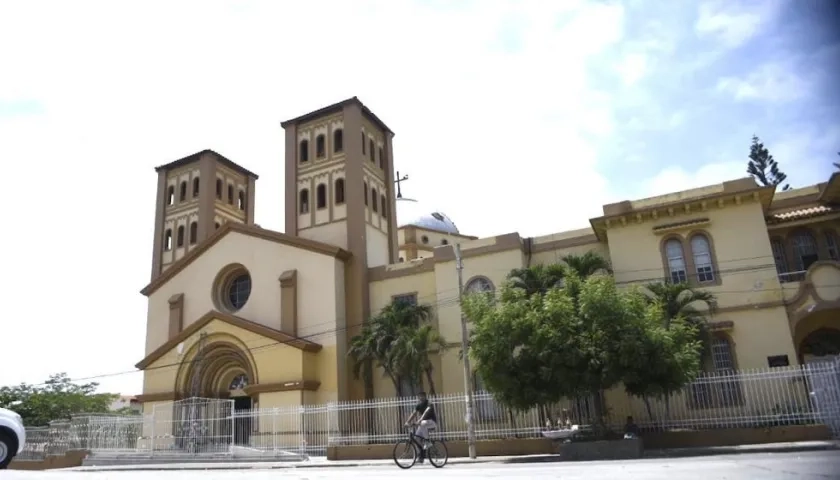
412	212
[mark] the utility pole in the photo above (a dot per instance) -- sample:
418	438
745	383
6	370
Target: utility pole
468	386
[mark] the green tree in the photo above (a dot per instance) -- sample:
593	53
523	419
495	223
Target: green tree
536	278
533	350
681	301
668	359
398	341
763	167
587	264
57	399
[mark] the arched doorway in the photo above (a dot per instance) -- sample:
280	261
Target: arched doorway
817	335
822	343
219	368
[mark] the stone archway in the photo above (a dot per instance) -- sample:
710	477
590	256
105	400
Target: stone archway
817	335
222	370
822	342
210	374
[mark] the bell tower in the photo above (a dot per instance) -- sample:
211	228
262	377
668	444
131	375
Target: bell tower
339	190
196	195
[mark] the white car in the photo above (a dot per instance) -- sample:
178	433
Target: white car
12	436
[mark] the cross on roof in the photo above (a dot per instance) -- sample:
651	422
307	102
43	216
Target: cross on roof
398	181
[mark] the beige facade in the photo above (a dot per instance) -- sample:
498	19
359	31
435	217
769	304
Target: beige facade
268	315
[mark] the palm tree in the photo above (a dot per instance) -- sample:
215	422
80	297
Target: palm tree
537	278
681	300
410	354
587	264
397	340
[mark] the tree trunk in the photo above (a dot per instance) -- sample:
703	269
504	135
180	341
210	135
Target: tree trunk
430	379
370	417
646	399
600	423
512	422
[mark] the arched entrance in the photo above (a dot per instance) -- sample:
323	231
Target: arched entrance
817	335
821	343
219	367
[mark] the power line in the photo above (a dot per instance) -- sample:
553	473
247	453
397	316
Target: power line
452	301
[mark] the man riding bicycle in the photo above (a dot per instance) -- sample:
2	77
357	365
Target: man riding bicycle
424	413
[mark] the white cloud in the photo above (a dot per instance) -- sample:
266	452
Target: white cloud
772	82
734	23
678	178
126	87
632	68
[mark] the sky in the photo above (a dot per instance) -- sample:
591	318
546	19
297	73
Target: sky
509	116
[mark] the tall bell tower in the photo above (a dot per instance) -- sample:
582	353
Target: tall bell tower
339	188
339	168
196	195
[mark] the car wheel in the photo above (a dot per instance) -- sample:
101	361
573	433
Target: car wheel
7	450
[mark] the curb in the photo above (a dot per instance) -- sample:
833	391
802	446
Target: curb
706	452
651	454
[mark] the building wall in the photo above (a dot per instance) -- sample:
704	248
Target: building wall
751	312
317	301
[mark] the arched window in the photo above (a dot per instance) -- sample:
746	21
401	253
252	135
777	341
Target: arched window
170	195
167	239
365	192
321	196
180	236
241	200
338	140
372	152
479	285
230	194
780	257
195	186
676	260
383	207
339	191
364	143
702	253
444	242
219	186
831	245
804	251
183	192
304	201
373	198
217	225
193	233
320	146
304	150
381	158
239	382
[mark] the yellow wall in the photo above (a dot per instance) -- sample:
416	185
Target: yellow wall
274	362
317	280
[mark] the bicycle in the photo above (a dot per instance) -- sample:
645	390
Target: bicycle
436	450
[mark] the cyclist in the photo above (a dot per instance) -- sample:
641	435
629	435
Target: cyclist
424	413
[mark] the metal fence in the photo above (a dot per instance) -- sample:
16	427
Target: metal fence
201	427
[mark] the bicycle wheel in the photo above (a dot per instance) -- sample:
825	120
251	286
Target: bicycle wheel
405	454
437	453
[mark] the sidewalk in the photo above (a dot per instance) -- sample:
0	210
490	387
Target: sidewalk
324	463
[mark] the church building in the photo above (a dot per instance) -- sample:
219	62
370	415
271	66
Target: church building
263	317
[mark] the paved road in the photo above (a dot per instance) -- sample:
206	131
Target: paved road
769	466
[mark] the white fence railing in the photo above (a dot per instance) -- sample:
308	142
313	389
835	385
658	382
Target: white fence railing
761	398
